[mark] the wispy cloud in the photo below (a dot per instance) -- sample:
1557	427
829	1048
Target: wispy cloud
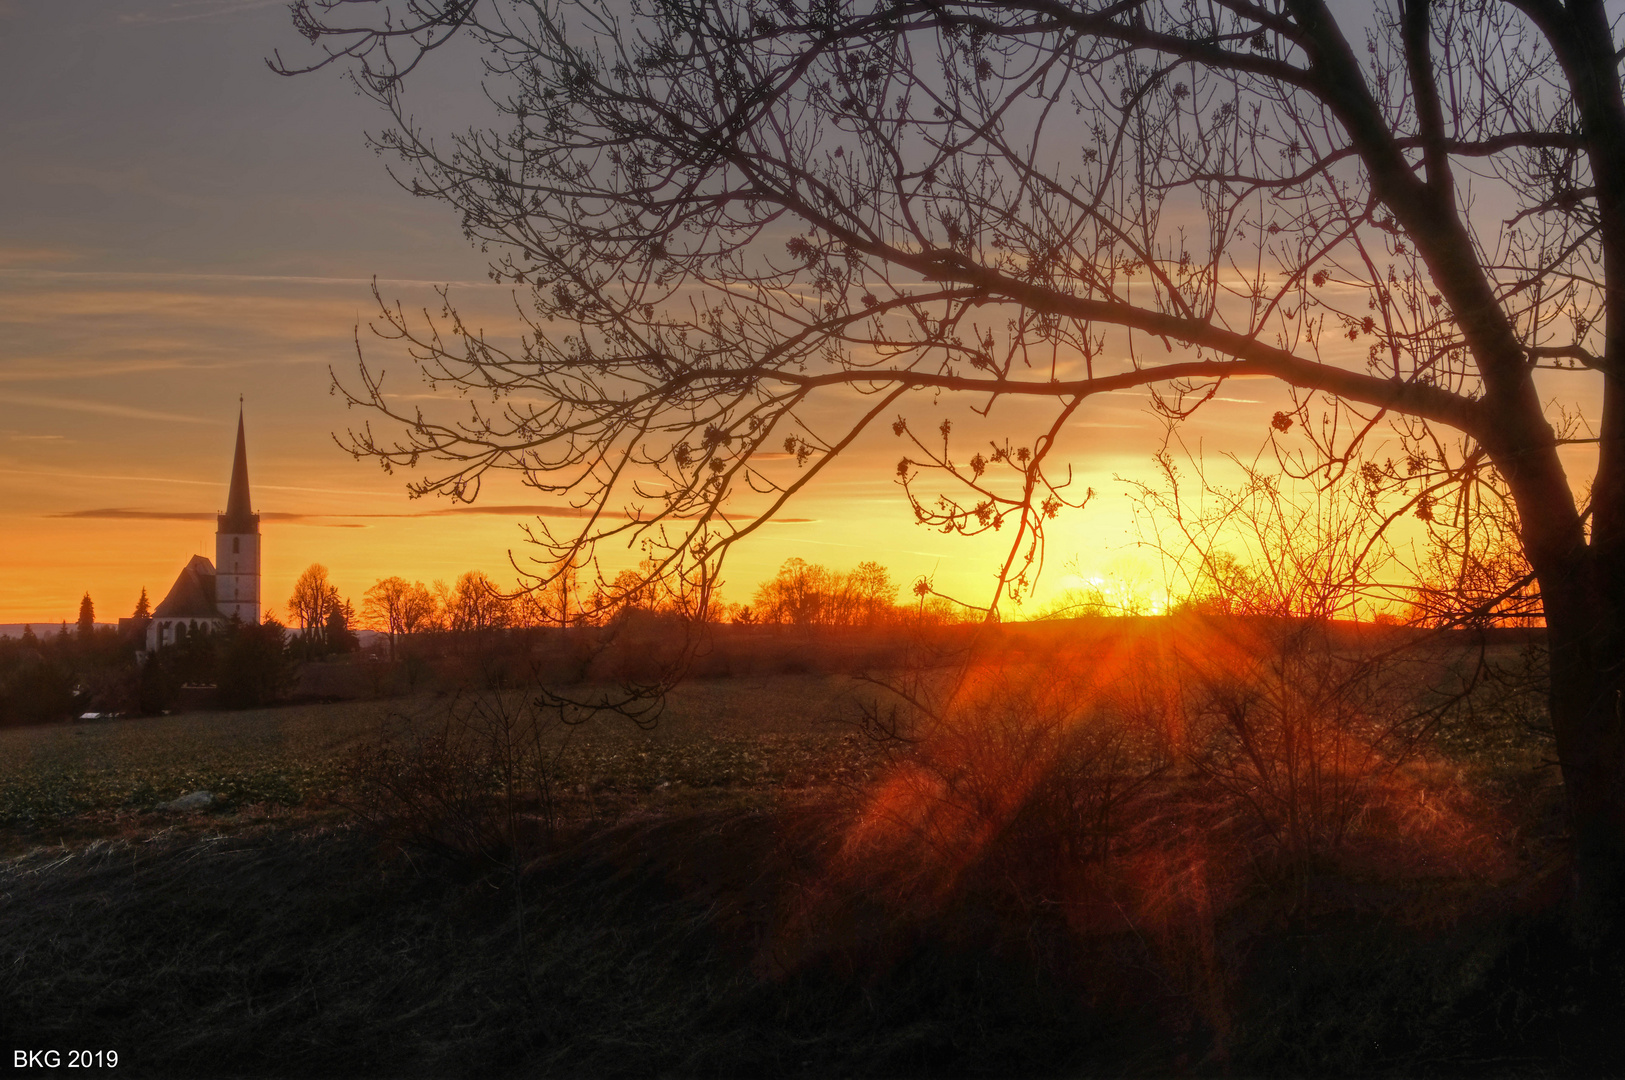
120	513
194	9
128	479
12	257
557	510
207	278
65	475
553	510
125	513
46	369
103	408
860	547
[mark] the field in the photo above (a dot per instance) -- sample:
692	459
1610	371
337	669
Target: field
716	740
734	892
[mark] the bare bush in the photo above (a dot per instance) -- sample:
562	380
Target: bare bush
1021	779
1298	714
1299	727
475	785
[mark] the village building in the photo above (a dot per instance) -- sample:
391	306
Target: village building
206	596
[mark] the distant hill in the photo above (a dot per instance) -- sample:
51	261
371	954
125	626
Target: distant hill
15	629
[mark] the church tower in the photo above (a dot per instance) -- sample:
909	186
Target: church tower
237	544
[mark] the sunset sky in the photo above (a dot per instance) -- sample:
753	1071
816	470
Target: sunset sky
185	227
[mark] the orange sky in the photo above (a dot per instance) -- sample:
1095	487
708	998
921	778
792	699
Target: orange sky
197	228
118	396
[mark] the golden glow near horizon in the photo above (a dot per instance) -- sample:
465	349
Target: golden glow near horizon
198	228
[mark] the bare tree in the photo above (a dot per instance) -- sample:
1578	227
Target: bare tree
313	596
398	607
477	604
750	228
874	592
798	594
807	594
559	600
1269	546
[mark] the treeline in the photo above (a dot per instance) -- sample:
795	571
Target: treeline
100	669
87	668
807	594
43	675
800	594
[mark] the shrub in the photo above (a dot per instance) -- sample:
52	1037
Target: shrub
34	688
1299	729
474	784
1023	780
253	669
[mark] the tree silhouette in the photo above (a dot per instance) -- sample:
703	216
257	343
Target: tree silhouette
143	606
806	594
324	617
312	597
749	233
477	604
87	618
398	607
253	664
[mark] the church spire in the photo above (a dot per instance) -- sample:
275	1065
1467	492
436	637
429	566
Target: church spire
239	516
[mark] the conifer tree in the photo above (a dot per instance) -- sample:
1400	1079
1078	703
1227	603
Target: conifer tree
143	607
87	618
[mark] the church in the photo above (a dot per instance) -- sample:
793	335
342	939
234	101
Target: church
206	596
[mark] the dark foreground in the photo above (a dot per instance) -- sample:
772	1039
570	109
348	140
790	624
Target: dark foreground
683	946
1057	880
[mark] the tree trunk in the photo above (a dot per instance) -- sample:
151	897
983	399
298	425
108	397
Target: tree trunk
1584	631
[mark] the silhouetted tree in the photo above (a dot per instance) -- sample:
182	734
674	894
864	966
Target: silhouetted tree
398	607
143	607
807	594
324	616
87	619
194	656
337	637
559	598
874	591
797	594
254	669
751	230
477	604
153	691
35	686
312	596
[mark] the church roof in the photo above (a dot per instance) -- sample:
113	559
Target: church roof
192	595
239	516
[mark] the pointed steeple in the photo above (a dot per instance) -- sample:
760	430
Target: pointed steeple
239	516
